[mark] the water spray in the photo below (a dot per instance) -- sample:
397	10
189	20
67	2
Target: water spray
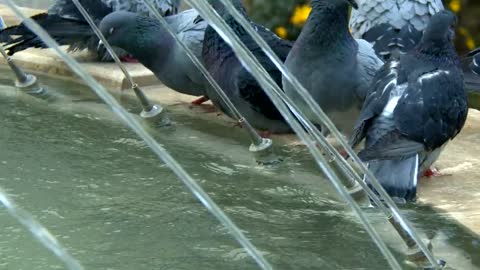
27	83
159	151
404	229
262	148
153	113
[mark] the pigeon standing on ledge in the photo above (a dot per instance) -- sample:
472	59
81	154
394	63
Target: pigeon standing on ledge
67	26
395	27
335	68
417	105
148	41
239	85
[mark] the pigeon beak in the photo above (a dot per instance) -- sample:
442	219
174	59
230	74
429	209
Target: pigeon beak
100	44
353	3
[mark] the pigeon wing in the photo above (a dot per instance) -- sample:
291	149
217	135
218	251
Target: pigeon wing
368	65
66	9
393	145
164	7
384	82
433	110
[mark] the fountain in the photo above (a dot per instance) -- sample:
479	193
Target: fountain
352	183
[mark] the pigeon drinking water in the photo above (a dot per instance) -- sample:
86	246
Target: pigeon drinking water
335	68
239	85
416	106
148	41
67	26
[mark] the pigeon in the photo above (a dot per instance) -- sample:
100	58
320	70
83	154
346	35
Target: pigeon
395	27
236	81
335	68
471	67
67	26
416	106
148	41
401	22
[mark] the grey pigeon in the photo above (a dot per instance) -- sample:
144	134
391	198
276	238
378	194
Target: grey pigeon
334	67
239	85
396	26
471	68
149	42
416	106
383	22
67	26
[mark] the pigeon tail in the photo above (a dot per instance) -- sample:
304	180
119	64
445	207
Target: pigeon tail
397	177
64	31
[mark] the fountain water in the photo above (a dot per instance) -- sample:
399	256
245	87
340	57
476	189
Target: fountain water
154	113
198	192
419	249
26	82
40	232
307	138
269	85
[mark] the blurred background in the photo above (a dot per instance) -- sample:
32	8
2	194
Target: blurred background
286	17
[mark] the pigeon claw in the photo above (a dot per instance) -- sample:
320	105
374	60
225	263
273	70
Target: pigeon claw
434	172
264	133
200	100
128	59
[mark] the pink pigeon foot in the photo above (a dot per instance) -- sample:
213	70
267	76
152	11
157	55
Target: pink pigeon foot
200	100
128	59
434	172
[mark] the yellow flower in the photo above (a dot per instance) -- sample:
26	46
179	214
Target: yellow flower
300	15
281	31
469	41
455	5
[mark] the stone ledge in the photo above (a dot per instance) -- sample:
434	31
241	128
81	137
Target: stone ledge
46	61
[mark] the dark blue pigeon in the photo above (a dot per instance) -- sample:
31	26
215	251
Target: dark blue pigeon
239	85
148	41
335	68
416	106
67	26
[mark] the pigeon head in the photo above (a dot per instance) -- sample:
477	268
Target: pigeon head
441	28
117	27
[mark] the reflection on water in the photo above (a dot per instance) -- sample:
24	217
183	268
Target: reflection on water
106	197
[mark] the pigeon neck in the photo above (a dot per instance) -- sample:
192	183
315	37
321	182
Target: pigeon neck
152	45
441	51
216	46
327	25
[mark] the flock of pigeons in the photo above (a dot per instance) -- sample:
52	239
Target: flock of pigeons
387	73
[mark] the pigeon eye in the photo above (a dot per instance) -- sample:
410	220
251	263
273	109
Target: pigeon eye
111	30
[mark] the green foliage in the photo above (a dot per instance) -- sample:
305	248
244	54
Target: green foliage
276	14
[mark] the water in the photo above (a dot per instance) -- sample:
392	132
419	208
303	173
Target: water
109	200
